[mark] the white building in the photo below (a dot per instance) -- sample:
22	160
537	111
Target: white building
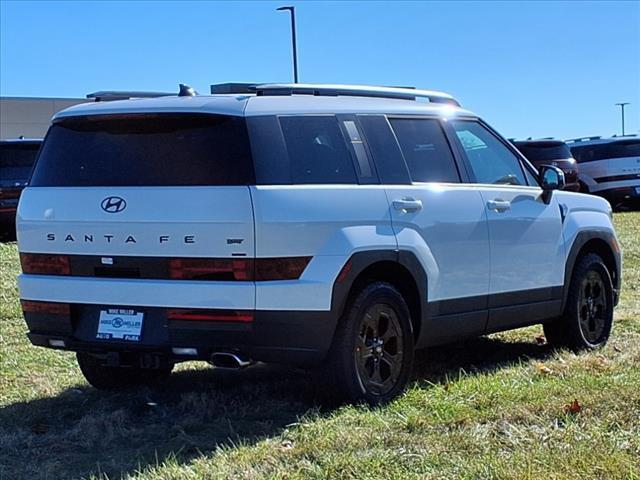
30	116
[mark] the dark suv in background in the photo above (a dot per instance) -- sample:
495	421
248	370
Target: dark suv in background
551	152
16	159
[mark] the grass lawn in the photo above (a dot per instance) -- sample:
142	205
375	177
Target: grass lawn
495	407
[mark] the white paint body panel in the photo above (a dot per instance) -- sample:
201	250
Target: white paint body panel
209	215
589	171
327	222
448	235
527	247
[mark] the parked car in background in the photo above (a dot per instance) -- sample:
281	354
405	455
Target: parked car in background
16	159
551	152
609	167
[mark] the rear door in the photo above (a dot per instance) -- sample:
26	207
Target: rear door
136	196
527	250
439	218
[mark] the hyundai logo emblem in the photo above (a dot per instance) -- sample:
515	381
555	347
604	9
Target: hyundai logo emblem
113	204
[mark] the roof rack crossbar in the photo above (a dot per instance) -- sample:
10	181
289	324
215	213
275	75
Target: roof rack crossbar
267	89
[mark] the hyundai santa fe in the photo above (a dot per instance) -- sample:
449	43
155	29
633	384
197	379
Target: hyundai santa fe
326	226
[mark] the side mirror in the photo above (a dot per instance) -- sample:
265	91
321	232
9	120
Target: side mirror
551	178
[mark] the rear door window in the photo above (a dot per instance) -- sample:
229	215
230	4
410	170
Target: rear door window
145	150
490	160
317	150
425	149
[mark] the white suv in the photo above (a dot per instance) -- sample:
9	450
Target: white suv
319	225
609	167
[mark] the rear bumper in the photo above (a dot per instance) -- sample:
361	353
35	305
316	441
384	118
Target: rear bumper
300	338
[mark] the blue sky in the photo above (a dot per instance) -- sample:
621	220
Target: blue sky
530	69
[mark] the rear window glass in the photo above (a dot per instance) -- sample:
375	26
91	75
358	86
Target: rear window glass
603	151
317	150
425	150
544	151
145	150
15	163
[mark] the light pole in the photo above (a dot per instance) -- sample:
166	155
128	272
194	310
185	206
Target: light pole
292	10
622	105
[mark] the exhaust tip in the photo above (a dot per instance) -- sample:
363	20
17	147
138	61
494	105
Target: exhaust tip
229	361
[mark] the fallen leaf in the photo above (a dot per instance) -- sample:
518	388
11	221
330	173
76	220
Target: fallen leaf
573	407
543	369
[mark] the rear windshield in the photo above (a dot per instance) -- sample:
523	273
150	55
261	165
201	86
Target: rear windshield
603	151
541	152
145	150
15	163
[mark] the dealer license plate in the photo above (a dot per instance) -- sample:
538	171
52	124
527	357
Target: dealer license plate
120	324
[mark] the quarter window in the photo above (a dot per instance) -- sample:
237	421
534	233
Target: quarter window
317	150
491	161
426	150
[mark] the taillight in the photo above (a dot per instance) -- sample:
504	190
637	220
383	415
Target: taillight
210	269
238	269
45	264
285	268
211	315
52	308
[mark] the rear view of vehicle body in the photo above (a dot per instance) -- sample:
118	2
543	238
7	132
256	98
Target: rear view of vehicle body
609	167
16	160
338	227
551	152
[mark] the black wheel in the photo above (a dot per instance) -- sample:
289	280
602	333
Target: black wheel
372	353
588	316
103	377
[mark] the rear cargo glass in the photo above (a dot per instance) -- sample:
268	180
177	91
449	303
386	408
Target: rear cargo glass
145	150
544	152
16	162
604	151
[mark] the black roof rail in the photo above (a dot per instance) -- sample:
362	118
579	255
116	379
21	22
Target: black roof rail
267	89
110	95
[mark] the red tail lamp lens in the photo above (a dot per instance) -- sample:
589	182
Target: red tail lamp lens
210	269
241	316
45	264
52	308
288	268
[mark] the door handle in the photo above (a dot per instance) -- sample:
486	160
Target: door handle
499	205
407	204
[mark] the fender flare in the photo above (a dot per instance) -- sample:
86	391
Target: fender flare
580	241
359	261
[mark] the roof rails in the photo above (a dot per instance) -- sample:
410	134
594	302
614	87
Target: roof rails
582	139
110	95
268	89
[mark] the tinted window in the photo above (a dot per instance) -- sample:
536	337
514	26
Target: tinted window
491	161
384	149
425	150
317	150
15	163
135	150
603	151
543	151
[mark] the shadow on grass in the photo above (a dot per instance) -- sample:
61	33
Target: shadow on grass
81	431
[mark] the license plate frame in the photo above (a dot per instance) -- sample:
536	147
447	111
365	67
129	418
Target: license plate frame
123	324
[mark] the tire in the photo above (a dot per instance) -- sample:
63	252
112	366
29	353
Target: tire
103	377
371	357
588	316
